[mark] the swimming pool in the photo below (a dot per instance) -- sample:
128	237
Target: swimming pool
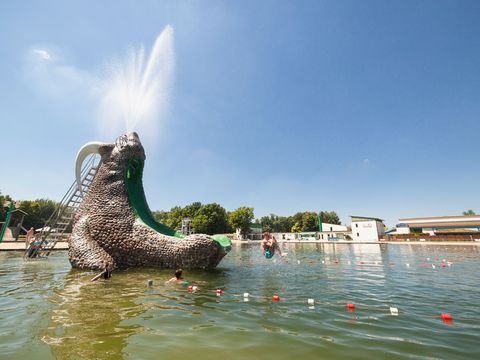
48	310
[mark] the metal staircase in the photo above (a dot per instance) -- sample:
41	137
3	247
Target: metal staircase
55	229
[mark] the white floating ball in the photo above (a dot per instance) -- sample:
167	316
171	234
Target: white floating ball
394	311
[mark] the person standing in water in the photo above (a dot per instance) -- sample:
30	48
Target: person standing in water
106	273
270	245
28	238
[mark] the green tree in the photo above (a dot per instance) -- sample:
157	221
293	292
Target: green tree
175	217
211	219
38	212
309	221
161	216
190	211
330	217
3	206
297	227
469	212
241	219
267	223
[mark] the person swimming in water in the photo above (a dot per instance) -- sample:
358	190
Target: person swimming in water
177	278
270	245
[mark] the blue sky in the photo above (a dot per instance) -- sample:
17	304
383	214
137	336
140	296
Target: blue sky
362	107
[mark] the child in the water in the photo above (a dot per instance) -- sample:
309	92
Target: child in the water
177	278
270	245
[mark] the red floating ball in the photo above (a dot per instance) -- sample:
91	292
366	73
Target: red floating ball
190	287
351	306
219	291
447	317
276	298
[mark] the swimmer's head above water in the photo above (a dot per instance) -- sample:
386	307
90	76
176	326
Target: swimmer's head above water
178	274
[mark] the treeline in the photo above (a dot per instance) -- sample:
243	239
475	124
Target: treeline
206	218
301	221
214	219
38	211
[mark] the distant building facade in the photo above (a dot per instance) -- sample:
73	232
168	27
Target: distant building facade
333	232
439	225
367	228
255	233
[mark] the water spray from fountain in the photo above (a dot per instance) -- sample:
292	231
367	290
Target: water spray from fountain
135	92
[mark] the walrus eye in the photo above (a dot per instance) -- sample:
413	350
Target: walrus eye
121	141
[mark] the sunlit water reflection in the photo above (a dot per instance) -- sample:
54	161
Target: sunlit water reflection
48	310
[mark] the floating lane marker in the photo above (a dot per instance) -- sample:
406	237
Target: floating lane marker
407	265
218	292
433	266
350	306
298	262
394	311
276	298
447	317
246	295
194	288
311	301
149	282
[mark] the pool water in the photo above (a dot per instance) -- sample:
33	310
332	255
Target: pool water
49	311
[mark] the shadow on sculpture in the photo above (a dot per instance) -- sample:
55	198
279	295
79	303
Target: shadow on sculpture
115	224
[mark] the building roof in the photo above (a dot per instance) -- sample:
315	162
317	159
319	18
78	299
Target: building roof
19	210
467	220
364	218
441	218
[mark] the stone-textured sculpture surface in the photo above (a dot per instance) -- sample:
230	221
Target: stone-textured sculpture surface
109	226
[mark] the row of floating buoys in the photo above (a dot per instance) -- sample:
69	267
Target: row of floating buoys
446	317
443	264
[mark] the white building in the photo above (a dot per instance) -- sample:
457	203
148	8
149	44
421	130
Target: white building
367	228
333	232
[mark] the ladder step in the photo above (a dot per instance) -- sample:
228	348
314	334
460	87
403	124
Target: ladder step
66	211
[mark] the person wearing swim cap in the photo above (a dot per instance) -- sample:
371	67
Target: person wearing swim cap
270	245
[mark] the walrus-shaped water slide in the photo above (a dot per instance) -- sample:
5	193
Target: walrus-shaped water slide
115	224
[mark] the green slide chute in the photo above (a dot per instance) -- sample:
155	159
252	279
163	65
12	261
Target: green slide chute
136	195
7	221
